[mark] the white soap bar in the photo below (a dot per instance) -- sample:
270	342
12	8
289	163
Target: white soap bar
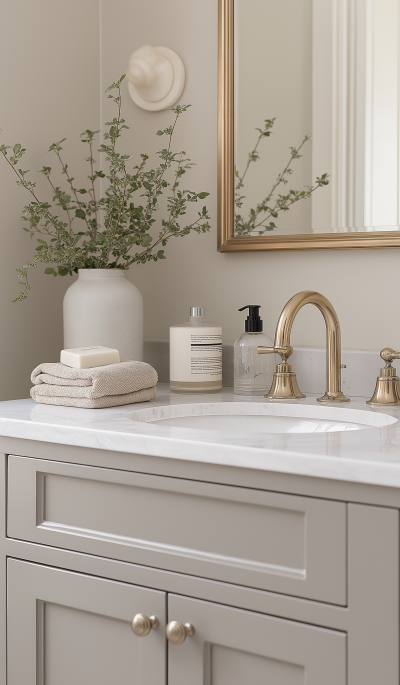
88	357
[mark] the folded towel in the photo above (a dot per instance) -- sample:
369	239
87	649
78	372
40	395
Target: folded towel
97	403
96	388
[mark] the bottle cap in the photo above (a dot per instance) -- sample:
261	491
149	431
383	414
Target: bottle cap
197	311
253	323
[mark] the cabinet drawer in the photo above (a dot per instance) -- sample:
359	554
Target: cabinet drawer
291	545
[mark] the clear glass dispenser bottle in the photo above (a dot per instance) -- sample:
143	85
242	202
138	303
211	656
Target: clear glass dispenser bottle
253	372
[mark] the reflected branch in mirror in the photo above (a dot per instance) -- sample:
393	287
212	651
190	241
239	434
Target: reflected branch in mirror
259	218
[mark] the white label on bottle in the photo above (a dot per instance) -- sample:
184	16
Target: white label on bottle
195	354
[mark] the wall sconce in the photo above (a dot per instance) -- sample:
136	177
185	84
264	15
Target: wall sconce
156	77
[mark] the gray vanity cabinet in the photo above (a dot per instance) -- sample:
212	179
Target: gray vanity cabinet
72	629
232	647
286	581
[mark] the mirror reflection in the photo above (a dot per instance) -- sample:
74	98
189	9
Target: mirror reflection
316	116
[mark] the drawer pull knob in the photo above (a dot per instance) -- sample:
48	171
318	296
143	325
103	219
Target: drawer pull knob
142	625
178	632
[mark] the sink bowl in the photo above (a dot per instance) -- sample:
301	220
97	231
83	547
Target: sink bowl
261	418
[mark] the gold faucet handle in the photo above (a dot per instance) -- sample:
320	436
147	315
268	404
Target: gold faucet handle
284	352
387	389
388	355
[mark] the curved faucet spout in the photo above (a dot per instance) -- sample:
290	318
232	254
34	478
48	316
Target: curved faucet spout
333	349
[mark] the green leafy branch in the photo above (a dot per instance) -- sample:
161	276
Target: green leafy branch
259	219
77	239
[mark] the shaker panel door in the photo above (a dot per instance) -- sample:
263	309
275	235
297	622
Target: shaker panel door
66	628
234	647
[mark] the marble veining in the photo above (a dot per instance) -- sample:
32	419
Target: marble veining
371	455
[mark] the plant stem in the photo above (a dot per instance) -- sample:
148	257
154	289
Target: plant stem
21	179
65	208
114	142
289	204
240	182
279	180
93	188
69	179
281	176
112	236
164	236
23	294
163	170
175	184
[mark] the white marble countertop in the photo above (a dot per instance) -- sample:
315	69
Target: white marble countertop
371	455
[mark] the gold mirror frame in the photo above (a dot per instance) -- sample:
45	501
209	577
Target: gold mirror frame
226	177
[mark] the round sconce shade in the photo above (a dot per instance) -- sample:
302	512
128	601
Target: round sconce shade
156	78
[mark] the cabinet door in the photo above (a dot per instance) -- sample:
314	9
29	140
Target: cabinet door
234	647
70	629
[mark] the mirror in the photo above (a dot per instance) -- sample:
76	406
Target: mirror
308	124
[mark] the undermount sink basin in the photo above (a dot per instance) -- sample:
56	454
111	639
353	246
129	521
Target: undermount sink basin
253	417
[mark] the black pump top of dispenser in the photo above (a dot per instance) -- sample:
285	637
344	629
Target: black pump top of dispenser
253	323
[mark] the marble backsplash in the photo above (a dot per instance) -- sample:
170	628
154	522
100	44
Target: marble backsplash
358	378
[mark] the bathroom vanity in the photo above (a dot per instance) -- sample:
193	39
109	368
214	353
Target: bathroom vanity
278	548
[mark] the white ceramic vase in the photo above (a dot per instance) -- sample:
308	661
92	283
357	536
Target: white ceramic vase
103	308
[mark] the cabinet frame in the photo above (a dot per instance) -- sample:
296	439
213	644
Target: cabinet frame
3	570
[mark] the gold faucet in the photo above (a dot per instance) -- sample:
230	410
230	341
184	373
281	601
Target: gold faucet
284	385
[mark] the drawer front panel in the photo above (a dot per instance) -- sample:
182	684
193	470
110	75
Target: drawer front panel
292	545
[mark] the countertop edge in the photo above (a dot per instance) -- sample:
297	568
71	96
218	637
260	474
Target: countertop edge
288	462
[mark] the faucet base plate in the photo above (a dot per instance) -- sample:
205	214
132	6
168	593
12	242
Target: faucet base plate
284	385
387	391
334	397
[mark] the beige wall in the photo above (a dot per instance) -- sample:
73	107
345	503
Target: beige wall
49	76
49	89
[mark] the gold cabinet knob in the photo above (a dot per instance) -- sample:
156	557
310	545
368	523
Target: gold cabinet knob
178	632
142	625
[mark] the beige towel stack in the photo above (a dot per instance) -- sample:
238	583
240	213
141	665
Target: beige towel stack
97	388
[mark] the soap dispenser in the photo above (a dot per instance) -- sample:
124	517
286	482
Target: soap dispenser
252	376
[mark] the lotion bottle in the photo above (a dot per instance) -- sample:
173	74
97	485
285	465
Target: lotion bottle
253	372
195	355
